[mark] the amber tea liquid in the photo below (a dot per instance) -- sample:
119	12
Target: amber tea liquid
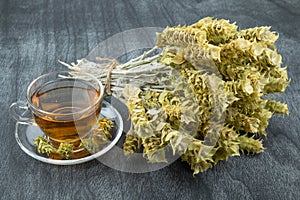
67	102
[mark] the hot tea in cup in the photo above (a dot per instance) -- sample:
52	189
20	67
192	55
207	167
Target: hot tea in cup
65	105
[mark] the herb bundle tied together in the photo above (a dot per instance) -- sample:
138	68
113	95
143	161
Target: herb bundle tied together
209	79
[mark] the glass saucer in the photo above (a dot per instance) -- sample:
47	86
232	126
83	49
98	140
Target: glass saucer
25	135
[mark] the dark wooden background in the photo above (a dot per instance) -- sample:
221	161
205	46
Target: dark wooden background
35	34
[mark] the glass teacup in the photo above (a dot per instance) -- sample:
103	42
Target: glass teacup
65	105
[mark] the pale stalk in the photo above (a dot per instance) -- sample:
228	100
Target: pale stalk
142	71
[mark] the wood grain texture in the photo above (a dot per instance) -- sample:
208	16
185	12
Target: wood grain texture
35	34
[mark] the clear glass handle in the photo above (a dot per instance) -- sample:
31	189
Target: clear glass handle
21	113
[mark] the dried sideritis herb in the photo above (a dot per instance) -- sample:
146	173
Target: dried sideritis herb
99	137
94	143
44	147
210	81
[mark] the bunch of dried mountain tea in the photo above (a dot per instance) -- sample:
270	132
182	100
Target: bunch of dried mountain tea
204	94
